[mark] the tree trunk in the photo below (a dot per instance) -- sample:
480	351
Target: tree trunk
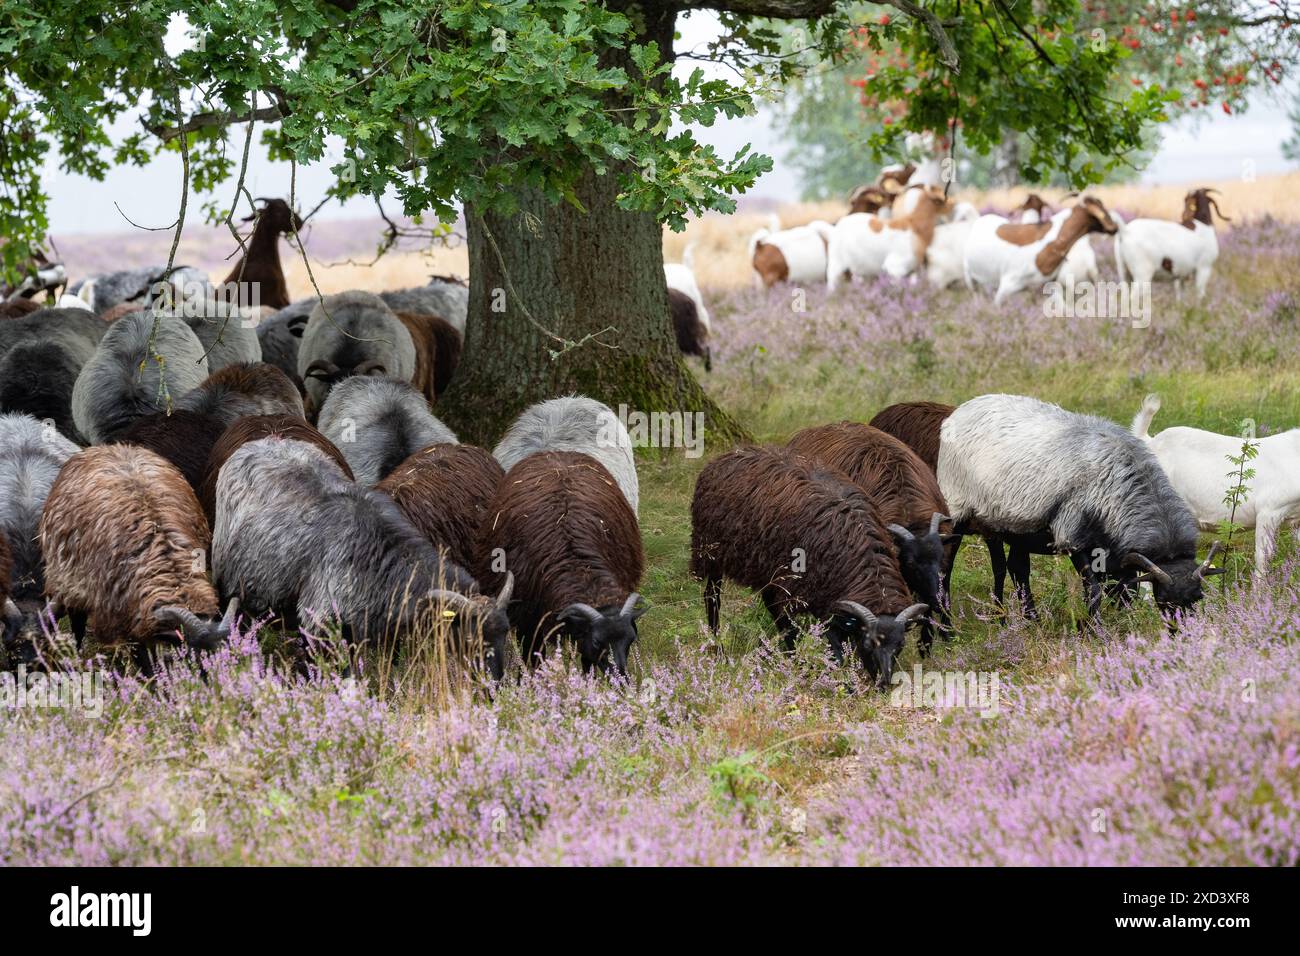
593	284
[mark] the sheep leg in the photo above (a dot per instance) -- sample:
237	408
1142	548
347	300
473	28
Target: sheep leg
998	559
1018	565
949	559
1092	588
77	621
712	599
143	660
772	599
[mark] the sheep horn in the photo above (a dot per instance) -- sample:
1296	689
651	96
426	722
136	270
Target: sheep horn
914	612
228	619
858	611
935	520
196	633
586	610
629	604
321	365
452	598
1154	572
503	599
371	367
1206	567
900	532
12	611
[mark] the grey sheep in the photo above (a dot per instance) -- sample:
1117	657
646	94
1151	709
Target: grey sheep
41	355
1057	482
123	379
378	423
295	538
352	333
443	297
227	337
102	292
574	423
31	454
280	334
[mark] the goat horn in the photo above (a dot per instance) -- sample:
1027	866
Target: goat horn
1217	209
503	599
629	604
899	531
858	611
452	598
228	619
1207	566
193	630
912	613
586	610
1154	572
935	520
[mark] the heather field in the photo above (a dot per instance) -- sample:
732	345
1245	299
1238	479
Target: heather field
1124	745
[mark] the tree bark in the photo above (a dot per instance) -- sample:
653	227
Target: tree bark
594	280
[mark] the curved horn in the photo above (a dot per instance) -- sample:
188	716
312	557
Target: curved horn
912	613
900	532
507	589
370	367
629	604
12	611
858	611
935	520
586	610
329	369
1207	566
451	598
1154	572
228	619
1217	209
195	632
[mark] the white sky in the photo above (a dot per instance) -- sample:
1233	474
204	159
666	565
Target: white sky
1217	148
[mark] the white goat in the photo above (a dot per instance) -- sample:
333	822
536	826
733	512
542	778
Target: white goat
865	246
1017	256
945	259
790	255
1151	249
1196	462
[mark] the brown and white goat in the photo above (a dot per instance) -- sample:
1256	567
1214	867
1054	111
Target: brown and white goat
866	246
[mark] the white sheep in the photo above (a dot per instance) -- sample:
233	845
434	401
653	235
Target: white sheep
1159	249
1196	462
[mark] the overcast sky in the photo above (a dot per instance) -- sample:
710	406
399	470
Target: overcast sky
1218	148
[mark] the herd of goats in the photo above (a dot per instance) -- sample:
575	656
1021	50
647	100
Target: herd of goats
165	453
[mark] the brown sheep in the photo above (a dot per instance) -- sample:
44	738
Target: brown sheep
184	438
808	540
445	490
122	537
244	388
906	495
259	267
692	332
437	352
252	428
17	308
916	425
571	539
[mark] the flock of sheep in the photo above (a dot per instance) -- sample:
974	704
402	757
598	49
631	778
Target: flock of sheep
905	225
171	458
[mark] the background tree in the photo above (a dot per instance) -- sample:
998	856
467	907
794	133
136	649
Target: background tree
555	124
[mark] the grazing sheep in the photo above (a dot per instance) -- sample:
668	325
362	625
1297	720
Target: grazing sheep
353	333
445	296
1196	463
228	334
690	326
808	540
41	355
1018	256
573	423
916	425
1055	482
866	246
125	379
1150	249
378	423
122	537
31	455
296	538
184	438
561	527
445	490
907	498
280	334
137	286
245	388
251	429
437	352
795	255
259	266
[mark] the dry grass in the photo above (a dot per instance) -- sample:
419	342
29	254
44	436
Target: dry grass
721	242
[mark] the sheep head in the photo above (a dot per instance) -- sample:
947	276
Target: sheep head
878	640
482	617
603	636
200	633
920	558
1177	584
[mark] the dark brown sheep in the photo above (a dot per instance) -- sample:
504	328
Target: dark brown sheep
259	267
123	539
560	523
17	308
916	425
184	438
445	490
808	540
242	389
437	352
251	429
906	495
691	331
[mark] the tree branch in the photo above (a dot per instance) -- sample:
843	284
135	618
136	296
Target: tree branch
780	9
268	114
947	52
